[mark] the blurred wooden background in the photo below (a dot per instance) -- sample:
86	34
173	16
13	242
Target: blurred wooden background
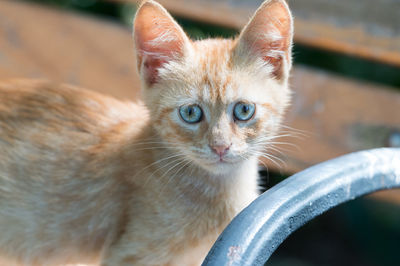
336	114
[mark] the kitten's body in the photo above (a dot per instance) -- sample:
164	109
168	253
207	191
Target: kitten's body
88	179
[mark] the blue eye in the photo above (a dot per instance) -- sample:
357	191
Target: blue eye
244	111
191	113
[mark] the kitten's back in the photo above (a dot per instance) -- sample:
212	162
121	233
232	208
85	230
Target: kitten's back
53	179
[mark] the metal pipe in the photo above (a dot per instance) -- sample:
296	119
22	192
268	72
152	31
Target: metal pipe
256	232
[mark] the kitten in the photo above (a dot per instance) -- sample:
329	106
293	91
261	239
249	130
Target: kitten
85	178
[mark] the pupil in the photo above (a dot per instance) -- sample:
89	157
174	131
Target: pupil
245	109
190	111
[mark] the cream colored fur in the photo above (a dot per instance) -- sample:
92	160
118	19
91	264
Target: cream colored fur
86	179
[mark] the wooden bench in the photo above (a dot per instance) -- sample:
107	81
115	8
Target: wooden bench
338	115
369	29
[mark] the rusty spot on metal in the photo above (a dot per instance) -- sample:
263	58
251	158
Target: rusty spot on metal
234	254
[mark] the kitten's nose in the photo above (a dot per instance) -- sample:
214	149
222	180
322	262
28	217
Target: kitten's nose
220	149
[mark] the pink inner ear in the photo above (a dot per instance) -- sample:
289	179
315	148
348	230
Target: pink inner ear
154	57
151	70
158	38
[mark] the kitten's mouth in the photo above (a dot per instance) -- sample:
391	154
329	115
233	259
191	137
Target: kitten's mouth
220	161
221	165
223	160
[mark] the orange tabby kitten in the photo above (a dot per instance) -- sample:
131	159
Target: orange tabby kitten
85	178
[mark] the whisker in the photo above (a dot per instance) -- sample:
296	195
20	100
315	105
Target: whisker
157	162
183	163
275	149
162	167
155	142
152	148
286	149
279	165
275	157
296	130
276	160
263	163
273	143
277	136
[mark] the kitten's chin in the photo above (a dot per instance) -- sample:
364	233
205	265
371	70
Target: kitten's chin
222	167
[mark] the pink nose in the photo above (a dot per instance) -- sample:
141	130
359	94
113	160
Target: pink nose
220	149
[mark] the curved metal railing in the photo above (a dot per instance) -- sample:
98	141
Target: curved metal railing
254	234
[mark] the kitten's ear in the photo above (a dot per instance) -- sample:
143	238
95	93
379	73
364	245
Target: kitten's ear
268	36
158	40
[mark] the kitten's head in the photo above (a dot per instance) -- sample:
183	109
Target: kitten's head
216	101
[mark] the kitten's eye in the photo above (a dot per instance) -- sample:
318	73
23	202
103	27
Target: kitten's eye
244	111
191	113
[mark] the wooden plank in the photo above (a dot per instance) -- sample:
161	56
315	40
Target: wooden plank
337	115
390	196
368	29
37	42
